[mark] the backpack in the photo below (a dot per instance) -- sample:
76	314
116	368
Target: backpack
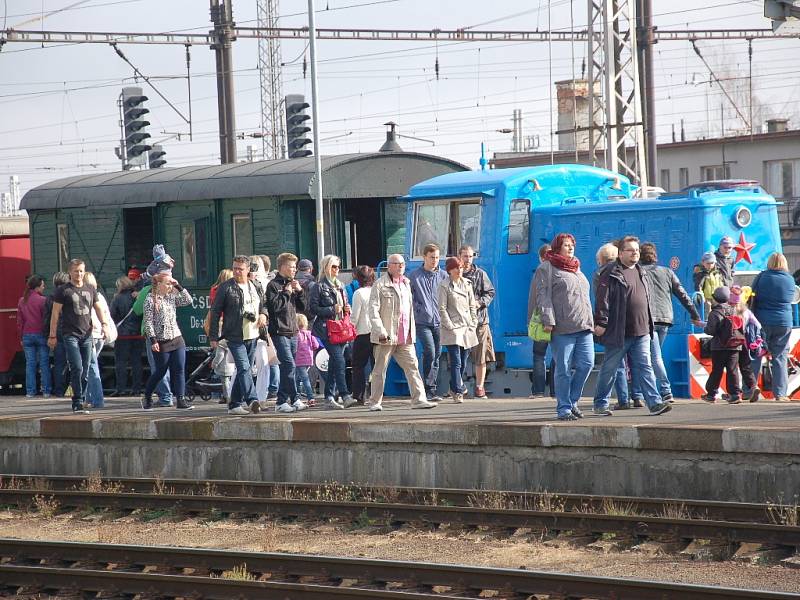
710	282
731	331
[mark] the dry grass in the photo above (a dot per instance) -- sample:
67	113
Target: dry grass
492	500
95	484
160	488
675	511
619	509
239	573
46	506
784	513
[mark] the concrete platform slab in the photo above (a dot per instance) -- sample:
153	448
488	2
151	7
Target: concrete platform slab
747	452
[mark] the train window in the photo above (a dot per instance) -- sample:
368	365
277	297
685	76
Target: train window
63	246
519	220
431	226
188	250
242	234
468	217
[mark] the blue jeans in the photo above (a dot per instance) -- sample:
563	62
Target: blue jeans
573	354
621	386
539	369
286	348
428	336
60	376
777	338
173	361
94	382
659	369
303	382
37	358
243	390
79	357
274	379
163	387
637	350
458	366
335	377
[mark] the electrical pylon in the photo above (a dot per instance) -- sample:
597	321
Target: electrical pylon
273	142
614	68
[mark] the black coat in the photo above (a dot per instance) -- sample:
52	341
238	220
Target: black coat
321	304
611	303
283	307
120	307
229	304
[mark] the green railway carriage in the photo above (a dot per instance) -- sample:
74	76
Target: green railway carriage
206	214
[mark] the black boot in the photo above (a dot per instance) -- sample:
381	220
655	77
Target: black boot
183	404
147	403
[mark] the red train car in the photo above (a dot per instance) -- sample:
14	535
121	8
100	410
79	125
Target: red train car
15	266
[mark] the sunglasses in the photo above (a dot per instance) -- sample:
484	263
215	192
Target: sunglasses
334	267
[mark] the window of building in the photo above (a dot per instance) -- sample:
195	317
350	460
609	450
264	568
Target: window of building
63	246
519	220
782	178
449	225
664	180
683	177
242	226
715	172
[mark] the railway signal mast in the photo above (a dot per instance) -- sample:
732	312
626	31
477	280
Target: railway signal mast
269	72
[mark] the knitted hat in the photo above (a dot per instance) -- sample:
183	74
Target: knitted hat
452	263
709	257
304	265
726	240
722	294
736	294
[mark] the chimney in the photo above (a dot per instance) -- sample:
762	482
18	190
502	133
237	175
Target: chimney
391	145
573	111
777	125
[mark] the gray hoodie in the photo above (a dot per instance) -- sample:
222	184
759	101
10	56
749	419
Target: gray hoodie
663	285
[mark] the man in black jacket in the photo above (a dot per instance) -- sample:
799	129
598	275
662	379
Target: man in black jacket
285	298
243	313
624	326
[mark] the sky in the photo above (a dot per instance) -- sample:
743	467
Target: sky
59	118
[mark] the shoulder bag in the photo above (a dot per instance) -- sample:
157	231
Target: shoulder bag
340	331
536	330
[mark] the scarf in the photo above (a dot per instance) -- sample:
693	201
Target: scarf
562	262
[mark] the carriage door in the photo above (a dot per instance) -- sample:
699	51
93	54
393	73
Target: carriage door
515	267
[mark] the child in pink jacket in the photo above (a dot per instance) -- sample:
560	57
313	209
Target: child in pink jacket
307	345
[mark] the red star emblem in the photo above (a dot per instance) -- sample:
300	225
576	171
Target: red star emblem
743	249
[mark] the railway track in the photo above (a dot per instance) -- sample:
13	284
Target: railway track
106	570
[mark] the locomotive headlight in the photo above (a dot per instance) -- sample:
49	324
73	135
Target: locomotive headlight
743	216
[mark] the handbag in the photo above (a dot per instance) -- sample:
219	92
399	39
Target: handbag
536	330
340	331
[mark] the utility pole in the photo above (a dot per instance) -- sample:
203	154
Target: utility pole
222	17
646	40
320	205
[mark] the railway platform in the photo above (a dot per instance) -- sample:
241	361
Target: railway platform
745	453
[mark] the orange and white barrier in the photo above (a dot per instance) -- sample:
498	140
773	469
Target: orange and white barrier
700	368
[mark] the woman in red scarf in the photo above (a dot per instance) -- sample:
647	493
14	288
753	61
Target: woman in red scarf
562	300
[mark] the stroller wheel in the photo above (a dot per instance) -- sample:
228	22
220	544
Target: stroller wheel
190	396
205	397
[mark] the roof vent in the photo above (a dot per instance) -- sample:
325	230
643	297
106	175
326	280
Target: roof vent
777	125
391	145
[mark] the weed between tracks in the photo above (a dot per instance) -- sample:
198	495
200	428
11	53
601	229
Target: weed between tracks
239	573
333	491
96	484
46	506
781	513
491	500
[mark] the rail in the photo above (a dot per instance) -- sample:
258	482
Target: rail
105	568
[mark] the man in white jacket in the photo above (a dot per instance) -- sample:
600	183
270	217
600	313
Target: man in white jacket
392	328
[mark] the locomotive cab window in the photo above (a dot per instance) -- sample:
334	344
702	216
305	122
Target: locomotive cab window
242	234
519	221
449	225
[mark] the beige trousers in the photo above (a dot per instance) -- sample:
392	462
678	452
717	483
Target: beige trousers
406	357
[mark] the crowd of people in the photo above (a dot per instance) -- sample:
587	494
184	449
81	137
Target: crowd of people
266	327
632	313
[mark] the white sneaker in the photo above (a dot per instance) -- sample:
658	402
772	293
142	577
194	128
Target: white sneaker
284	408
458	398
238	410
331	404
299	405
264	404
349	401
375	407
424	404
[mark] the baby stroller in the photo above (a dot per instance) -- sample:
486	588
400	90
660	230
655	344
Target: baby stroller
203	381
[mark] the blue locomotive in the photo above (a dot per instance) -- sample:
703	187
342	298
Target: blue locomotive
506	214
